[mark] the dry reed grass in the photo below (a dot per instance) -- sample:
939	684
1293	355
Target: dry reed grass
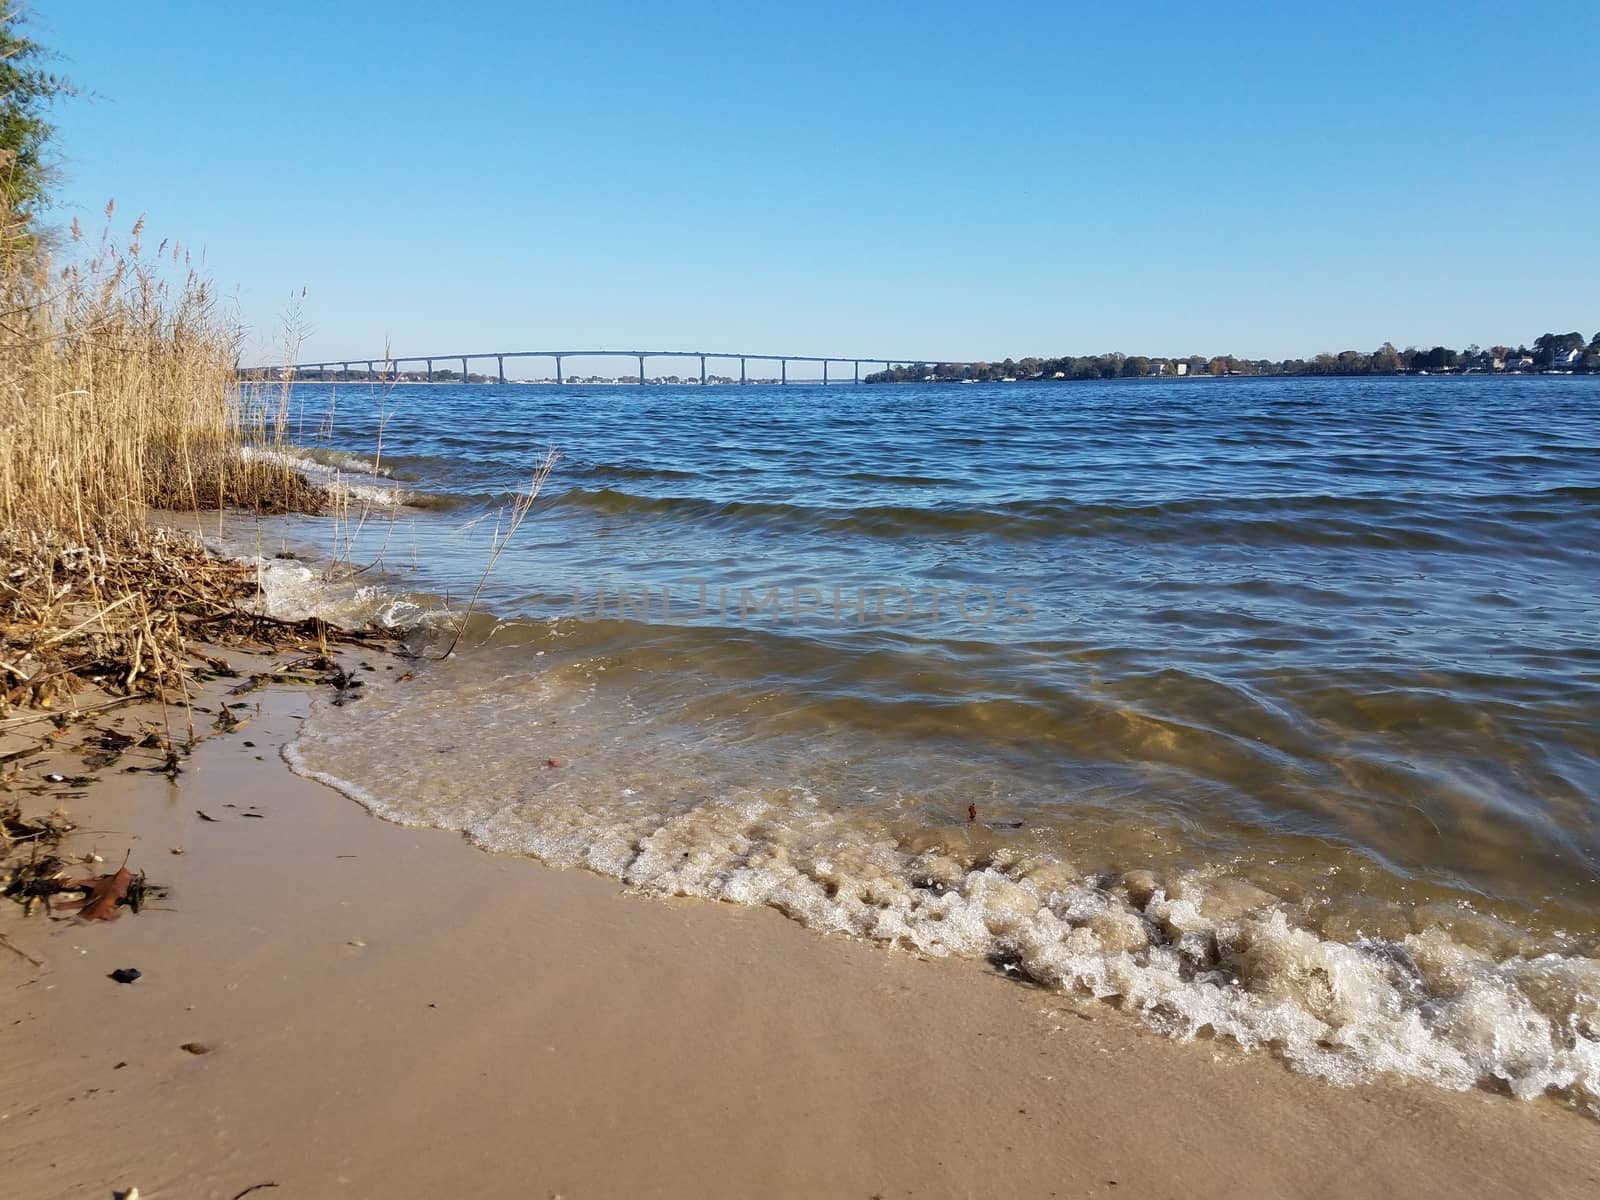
118	395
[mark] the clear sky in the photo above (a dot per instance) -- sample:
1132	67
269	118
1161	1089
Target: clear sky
952	180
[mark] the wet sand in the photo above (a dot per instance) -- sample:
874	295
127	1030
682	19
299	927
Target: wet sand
391	1013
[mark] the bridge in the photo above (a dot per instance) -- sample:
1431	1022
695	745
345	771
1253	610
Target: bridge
393	368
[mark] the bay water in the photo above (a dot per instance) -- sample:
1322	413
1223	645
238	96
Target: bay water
1265	709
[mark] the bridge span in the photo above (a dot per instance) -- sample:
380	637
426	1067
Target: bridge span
392	368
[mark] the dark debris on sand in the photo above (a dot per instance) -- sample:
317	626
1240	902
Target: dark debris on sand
83	633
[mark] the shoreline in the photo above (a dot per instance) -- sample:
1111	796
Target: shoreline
390	1011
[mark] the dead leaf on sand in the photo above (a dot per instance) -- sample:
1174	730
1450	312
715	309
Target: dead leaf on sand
106	896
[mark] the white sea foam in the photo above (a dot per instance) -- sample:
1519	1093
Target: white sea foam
1198	952
357	480
317	459
293	590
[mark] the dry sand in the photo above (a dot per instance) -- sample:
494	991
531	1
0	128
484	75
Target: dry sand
391	1013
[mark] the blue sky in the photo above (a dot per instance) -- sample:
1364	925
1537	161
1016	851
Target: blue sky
947	180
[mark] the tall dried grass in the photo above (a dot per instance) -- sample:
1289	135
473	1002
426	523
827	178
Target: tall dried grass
119	395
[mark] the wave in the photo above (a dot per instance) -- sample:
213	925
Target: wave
1435	991
321	458
364	481
292	590
1299	954
347	477
628	471
1420	521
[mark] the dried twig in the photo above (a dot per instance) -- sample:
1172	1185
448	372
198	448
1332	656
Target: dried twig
18	951
520	507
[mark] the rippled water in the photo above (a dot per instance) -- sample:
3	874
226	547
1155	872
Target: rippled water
1269	707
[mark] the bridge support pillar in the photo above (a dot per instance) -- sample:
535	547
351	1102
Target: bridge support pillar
783	370
641	370
369	370
430	371
559	380
741	370
500	367
824	372
463	370
345	375
702	370
858	370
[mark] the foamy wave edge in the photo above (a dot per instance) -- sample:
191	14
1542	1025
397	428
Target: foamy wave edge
348	476
1202	955
293	591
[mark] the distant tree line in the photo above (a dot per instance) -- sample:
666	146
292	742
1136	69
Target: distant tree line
334	374
1550	352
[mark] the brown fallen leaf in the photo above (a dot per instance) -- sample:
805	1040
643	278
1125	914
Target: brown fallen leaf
106	895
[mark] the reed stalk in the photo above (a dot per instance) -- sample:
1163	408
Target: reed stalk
119	395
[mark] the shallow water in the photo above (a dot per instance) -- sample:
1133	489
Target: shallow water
1271	707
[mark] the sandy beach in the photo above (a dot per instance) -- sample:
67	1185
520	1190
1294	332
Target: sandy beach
435	766
388	1012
